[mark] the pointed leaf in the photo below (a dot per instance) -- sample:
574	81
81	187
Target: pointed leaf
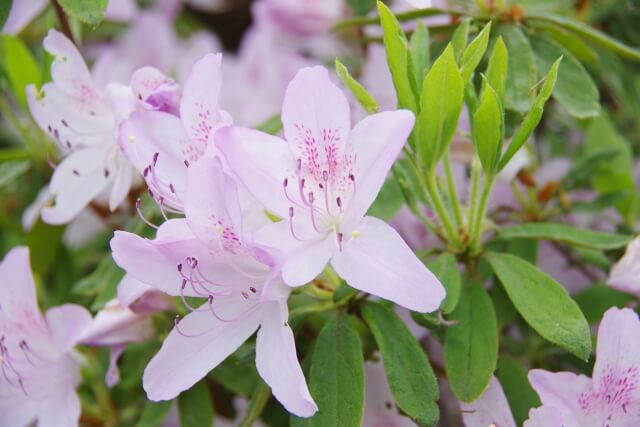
411	379
471	346
474	52
566	234
365	99
543	303
90	12
498	68
487	129
420	51
194	406
523	73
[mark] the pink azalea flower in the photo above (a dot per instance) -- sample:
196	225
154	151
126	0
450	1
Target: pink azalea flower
299	17
114	326
161	145
321	180
611	397
491	408
39	370
625	274
77	113
210	255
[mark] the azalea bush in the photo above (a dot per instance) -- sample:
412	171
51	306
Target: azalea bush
319	213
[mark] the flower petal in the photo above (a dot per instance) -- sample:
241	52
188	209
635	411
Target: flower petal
544	416
17	288
121	184
68	324
312	105
563	390
115	324
377	141
157	146
61	409
261	162
199	106
306	263
196	346
617	354
490	408
68	69
130	289
76	182
277	361
381	263
212	206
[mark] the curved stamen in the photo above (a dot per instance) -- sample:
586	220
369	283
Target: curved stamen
325	179
176	322
293	233
217	316
142	217
313	217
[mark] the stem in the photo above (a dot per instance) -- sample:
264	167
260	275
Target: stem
64	22
453	193
438	206
259	400
482	207
473	197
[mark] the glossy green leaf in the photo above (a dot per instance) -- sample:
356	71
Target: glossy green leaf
574	89
411	379
363	97
388	201
20	66
195	406
520	395
397	49
440	106
90	12
590	34
474	52
543	303
488	128
5	8
361	7
154	413
498	68
570	41
337	376
523	73
445	269
471	346
566	234
532	118
459	38
420	51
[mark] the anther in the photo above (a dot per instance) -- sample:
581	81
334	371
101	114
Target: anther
155	158
186	163
252	289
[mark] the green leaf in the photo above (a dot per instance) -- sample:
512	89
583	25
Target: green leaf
411	379
337	376
522	69
520	395
471	346
543	303
239	378
498	68
590	34
570	41
20	66
11	171
566	234
361	7
396	47
488	128
444	267
459	38
90	12
154	413
101	283
5	8
597	299
195	407
532	118
420	51
474	52
388	201
440	106
574	89
359	92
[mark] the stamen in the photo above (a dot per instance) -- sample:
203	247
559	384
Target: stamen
340	238
146	221
313	217
176	321
339	203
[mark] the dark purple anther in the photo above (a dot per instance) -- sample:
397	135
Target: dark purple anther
155	158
